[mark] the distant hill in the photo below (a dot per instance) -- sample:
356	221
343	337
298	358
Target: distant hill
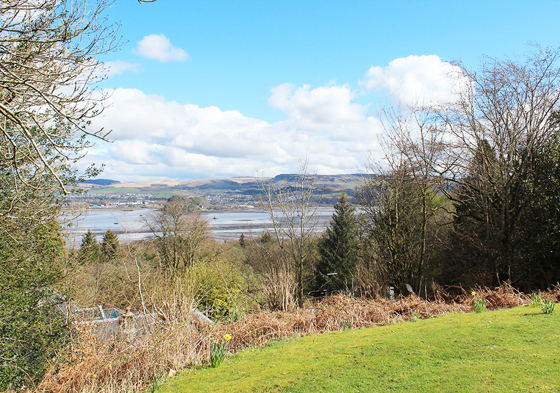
328	184
321	179
218	184
101	182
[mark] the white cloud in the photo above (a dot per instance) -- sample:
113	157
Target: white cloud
156	138
158	47
320	108
415	79
118	67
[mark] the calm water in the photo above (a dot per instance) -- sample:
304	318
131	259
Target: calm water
129	225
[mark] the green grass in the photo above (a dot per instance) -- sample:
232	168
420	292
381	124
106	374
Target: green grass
514	350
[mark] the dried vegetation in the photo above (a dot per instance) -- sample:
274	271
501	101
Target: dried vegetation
136	363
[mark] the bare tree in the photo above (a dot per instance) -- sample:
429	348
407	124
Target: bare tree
479	152
275	268
294	218
400	196
179	235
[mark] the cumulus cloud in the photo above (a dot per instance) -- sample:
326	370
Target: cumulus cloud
326	109
156	138
158	47
415	79
320	108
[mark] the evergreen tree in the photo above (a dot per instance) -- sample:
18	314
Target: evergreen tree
266	238
32	329
539	244
110	246
338	248
89	250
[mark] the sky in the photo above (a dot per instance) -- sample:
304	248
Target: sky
205	88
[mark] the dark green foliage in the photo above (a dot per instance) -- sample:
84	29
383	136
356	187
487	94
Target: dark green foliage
32	328
510	235
90	251
540	242
395	229
505	128
242	240
338	248
110	246
266	238
476	239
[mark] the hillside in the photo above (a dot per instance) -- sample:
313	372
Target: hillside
245	185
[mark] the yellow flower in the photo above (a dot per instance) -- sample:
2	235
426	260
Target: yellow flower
473	293
227	337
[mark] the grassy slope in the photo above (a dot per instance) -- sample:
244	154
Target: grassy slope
511	350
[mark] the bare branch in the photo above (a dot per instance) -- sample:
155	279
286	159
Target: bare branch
48	79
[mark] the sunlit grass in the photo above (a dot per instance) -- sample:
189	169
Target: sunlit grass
506	350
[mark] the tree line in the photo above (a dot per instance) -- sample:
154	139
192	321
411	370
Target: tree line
466	196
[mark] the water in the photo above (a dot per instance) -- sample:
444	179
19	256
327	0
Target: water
130	225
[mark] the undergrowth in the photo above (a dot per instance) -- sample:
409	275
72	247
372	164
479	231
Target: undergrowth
132	363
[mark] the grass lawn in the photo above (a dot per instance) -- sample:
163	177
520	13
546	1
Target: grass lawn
513	350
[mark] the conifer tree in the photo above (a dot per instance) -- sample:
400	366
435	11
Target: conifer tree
338	248
89	250
110	246
32	329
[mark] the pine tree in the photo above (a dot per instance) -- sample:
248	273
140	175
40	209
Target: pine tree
110	246
89	250
338	248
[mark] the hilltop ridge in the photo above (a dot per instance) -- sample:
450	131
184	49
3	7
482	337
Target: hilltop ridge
241	184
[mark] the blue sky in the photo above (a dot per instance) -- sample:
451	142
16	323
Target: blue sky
238	88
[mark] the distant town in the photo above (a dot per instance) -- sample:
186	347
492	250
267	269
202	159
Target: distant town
128	200
207	194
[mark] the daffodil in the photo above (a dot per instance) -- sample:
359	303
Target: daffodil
227	337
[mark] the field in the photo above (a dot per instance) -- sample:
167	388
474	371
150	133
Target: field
499	351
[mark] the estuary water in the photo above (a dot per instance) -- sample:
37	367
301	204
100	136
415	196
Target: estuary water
130	225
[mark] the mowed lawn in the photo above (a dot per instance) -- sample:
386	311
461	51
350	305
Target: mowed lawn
513	350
